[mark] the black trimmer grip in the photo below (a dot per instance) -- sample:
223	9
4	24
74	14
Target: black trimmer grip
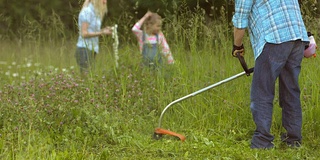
244	65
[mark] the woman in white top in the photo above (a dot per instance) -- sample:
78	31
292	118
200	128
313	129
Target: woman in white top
89	23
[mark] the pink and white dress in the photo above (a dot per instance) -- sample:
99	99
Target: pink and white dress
152	39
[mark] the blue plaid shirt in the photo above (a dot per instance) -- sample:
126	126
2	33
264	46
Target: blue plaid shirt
272	21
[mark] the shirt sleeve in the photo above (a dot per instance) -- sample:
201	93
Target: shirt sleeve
165	48
240	18
85	15
136	29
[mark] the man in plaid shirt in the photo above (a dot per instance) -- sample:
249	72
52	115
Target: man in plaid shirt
278	37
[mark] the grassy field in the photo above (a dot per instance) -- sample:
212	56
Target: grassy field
49	112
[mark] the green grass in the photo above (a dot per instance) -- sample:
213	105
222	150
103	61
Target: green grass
49	112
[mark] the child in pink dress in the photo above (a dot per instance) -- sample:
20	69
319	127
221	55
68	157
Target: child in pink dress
152	43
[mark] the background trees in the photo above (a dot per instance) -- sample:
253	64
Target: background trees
16	14
18	17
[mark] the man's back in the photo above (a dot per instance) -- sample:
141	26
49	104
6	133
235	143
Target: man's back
273	21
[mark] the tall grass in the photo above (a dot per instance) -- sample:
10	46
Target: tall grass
49	112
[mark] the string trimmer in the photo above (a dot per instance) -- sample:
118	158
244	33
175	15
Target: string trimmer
160	131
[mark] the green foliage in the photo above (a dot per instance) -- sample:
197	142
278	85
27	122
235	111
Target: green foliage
19	18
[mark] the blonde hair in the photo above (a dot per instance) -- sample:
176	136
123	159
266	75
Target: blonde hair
151	20
100	8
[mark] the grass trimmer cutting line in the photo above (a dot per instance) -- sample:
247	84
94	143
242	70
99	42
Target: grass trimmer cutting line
160	131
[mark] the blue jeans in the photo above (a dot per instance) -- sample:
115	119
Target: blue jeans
151	56
282	62
85	59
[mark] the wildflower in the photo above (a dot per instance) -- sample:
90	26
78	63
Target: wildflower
38	72
116	43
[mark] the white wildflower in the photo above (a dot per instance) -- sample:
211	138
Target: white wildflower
116	43
15	74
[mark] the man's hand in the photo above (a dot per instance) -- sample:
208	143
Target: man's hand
237	49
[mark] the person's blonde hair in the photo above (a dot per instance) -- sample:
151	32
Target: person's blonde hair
100	8
151	20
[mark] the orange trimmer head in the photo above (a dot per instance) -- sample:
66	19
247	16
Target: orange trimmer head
159	132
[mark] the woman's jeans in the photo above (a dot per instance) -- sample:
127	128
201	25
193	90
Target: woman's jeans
85	59
282	62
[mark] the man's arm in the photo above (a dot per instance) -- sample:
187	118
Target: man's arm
238	35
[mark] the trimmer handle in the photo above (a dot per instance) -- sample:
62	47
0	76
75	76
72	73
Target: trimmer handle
244	65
